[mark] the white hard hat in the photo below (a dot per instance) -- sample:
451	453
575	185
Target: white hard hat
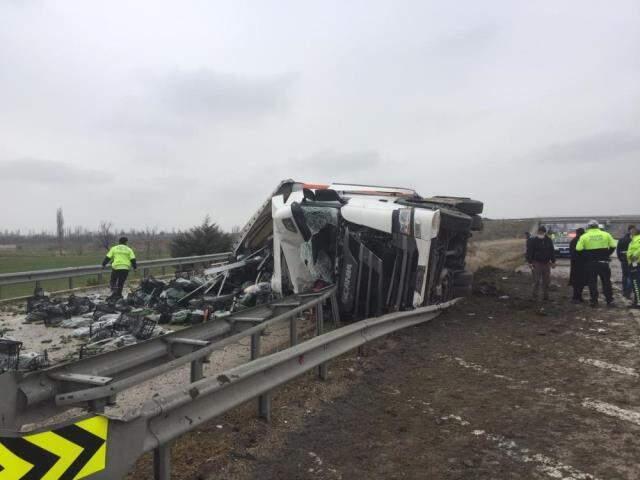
593	223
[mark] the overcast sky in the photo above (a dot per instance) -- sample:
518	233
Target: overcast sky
156	113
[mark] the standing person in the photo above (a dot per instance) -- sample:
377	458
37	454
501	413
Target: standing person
527	238
577	275
541	258
597	246
621	252
122	259
633	259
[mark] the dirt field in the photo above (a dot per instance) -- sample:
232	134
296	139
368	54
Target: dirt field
507	254
498	388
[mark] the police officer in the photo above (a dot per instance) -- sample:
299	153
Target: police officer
577	275
633	259
597	246
621	252
122	259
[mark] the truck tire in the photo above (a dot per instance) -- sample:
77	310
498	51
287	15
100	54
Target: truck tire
465	205
462	291
463	279
454	221
476	223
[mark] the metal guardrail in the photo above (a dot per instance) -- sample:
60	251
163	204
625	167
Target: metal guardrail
164	418
36	397
70	273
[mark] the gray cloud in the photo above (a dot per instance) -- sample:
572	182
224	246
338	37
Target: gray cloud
183	101
468	41
610	146
199	110
48	172
335	163
222	95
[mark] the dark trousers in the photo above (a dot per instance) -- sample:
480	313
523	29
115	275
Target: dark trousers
627	287
541	278
577	278
634	276
601	270
118	277
577	291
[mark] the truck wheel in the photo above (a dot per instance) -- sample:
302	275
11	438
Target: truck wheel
476	223
466	205
459	292
454	221
463	279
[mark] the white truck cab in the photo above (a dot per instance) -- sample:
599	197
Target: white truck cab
387	248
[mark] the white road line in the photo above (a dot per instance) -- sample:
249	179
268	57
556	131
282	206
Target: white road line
457	418
602	407
612	410
481	369
544	464
635	313
609	366
608	341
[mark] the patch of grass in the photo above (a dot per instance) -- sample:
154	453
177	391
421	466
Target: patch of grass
42	259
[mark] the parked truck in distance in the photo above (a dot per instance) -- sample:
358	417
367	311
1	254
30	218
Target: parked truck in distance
386	248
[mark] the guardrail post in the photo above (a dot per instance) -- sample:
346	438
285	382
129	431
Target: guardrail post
145	272
264	400
255	346
164	271
162	463
264	407
98	405
197	370
37	287
293	330
335	310
99	279
70	283
322	368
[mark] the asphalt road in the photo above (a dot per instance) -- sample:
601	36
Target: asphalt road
499	388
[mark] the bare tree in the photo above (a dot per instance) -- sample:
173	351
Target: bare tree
77	240
60	229
105	235
150	238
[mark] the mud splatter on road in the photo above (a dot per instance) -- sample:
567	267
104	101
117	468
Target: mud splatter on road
495	389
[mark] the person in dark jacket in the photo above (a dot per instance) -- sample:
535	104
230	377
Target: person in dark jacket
578	273
621	252
541	258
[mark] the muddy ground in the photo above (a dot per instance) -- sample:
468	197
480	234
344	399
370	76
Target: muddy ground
500	387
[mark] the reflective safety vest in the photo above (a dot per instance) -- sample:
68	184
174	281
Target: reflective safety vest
596	244
121	256
633	251
595	239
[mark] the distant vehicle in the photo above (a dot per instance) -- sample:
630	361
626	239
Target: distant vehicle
562	233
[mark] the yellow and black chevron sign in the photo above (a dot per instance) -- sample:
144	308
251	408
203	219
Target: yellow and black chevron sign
68	453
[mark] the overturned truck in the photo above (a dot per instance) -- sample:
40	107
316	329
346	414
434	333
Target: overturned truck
387	249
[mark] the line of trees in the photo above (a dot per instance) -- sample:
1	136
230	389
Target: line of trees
202	239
